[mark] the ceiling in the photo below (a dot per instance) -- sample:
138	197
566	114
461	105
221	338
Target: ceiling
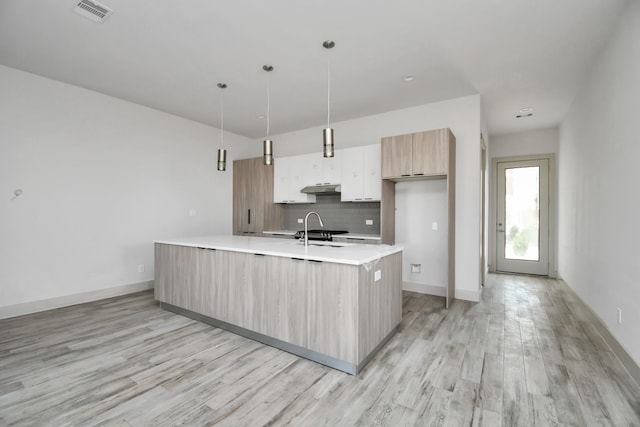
170	55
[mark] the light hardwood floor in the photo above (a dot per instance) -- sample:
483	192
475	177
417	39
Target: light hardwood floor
527	354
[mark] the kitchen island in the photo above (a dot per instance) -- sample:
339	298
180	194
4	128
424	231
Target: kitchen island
334	303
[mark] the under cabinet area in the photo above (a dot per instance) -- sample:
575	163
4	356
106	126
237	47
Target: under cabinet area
253	210
420	156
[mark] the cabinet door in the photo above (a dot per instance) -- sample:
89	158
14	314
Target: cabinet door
372	188
313	169
332	168
281	179
352	174
300	176
430	153
396	156
246	203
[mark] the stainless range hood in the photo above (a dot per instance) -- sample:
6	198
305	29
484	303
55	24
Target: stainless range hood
322	189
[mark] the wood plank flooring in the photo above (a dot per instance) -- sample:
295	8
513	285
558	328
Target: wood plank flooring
527	354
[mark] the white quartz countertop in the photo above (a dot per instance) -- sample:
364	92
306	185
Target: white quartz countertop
341	253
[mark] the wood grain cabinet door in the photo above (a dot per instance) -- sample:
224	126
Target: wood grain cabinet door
396	156
430	153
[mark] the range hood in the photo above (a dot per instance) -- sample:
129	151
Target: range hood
322	189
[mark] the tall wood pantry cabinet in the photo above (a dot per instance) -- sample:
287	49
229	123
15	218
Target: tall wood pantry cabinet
253	207
417	156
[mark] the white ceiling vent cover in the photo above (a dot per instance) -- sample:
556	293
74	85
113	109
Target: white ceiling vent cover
95	11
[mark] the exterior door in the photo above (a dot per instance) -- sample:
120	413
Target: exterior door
523	217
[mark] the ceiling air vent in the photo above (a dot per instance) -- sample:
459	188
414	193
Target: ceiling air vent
95	11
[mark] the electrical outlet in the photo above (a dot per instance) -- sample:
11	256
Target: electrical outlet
368	222
377	275
193	212
140	268
415	268
300	220
619	316
434	226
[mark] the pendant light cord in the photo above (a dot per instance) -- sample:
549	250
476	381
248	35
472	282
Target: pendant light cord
222	119
328	89
268	104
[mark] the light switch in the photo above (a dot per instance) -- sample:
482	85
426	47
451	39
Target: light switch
377	275
368	221
300	220
434	226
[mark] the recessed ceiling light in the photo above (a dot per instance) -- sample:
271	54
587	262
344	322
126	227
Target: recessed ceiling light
409	78
525	112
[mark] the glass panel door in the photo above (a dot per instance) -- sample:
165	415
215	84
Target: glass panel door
523	217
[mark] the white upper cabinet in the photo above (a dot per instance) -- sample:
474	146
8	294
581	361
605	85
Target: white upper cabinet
356	169
332	168
361	180
372	177
290	175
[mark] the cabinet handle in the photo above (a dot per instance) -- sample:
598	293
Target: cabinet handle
418	174
405	174
248	216
368	198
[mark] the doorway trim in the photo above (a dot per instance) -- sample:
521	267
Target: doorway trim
553	185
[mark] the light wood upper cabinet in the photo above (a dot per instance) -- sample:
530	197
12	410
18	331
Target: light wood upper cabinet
417	154
396	156
253	209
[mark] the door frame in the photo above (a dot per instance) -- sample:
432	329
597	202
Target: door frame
493	249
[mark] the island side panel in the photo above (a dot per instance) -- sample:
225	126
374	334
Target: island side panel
379	302
332	321
177	276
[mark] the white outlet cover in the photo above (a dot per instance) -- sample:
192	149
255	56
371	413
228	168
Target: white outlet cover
193	212
377	275
300	220
368	222
434	226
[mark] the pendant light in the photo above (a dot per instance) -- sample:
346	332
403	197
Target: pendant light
222	152
327	133
267	144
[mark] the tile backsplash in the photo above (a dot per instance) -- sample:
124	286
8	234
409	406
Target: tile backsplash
335	214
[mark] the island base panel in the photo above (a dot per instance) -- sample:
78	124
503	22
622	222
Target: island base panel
314	356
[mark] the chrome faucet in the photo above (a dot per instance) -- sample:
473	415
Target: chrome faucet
306	228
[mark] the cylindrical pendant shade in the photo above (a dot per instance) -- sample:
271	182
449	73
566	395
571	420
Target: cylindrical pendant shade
268	152
222	159
327	136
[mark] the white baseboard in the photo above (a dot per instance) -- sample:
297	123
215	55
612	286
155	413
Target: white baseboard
440	291
67	300
463	294
436	290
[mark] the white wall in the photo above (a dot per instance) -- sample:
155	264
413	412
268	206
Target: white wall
540	141
101	179
462	115
599	225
